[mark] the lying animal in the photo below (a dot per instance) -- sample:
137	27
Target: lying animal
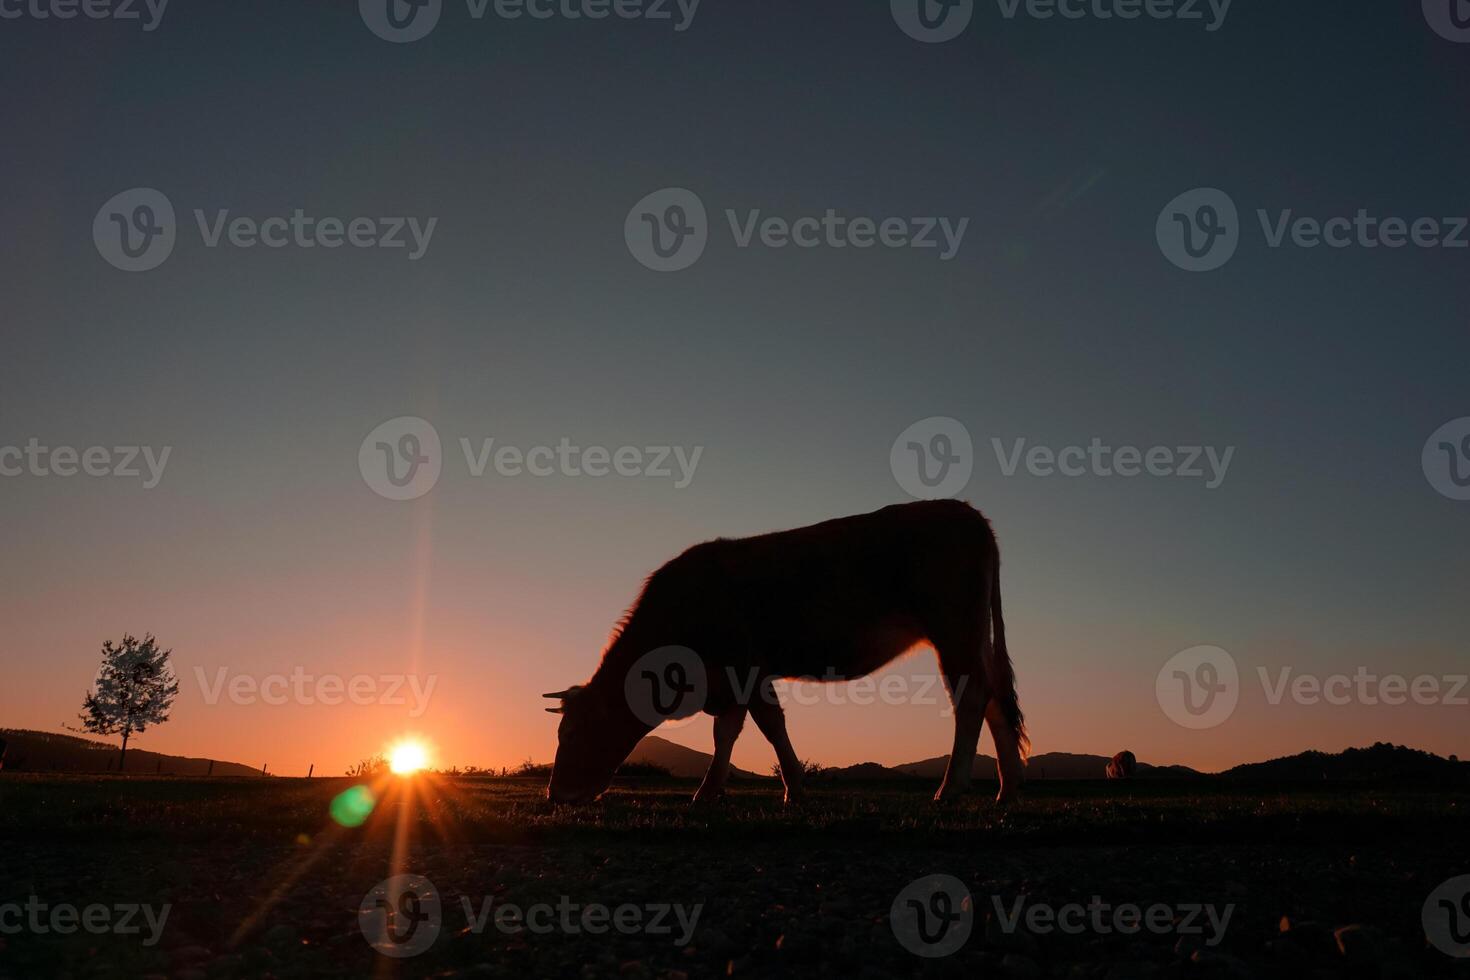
835	601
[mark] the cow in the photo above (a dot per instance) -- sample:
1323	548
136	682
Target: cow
829	602
1122	765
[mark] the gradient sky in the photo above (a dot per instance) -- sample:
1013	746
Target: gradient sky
263	550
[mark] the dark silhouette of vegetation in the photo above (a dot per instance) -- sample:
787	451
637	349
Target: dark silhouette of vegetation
372	766
135	688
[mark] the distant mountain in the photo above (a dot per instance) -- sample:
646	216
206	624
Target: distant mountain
31	751
678	759
1047	765
1379	761
691	763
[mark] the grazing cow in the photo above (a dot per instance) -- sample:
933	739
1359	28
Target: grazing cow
1122	765
833	601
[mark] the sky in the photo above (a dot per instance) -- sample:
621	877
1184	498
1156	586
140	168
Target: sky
525	151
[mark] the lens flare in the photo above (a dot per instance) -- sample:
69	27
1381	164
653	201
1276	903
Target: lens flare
407	757
353	807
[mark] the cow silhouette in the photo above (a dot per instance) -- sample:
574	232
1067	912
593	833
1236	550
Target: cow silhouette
715	626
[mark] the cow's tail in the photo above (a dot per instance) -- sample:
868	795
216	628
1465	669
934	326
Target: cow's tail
998	669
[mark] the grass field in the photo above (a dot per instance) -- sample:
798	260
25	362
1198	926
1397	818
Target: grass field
259	881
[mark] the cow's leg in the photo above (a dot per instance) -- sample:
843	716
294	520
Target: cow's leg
727	730
1007	753
960	662
770	718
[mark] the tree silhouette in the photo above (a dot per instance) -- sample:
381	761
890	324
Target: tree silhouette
135	688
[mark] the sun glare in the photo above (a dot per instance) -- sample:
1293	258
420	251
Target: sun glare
407	757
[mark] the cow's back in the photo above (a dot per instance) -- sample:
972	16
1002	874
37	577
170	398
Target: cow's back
848	594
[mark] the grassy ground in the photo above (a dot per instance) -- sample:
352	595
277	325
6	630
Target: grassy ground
260	882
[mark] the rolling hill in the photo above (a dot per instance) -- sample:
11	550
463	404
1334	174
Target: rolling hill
31	751
1378	761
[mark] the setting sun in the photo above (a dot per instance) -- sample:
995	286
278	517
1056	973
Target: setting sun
407	757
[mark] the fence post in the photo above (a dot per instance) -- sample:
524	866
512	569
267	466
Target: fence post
310	770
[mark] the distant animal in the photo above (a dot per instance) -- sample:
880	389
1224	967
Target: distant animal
1122	765
833	601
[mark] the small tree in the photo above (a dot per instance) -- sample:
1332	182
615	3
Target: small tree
135	689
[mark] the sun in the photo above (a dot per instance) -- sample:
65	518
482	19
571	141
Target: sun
407	756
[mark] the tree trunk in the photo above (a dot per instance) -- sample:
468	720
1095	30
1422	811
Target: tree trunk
122	760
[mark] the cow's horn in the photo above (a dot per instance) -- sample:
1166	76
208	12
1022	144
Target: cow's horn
558	694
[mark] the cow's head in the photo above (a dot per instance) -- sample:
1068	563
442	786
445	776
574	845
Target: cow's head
597	732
